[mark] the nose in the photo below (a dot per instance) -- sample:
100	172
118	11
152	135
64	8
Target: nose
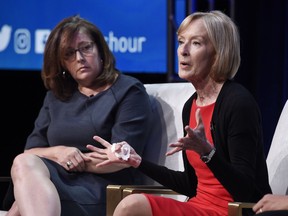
183	50
79	55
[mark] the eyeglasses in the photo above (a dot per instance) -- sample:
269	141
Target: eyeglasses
86	49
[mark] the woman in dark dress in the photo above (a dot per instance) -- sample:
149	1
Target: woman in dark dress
86	95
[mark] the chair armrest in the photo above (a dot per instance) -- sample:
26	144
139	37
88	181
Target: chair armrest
235	208
115	193
149	190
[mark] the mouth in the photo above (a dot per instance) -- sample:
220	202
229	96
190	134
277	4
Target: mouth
83	68
184	64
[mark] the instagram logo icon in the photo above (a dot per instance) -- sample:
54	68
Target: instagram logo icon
22	41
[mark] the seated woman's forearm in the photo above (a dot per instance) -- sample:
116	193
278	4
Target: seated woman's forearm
92	167
46	152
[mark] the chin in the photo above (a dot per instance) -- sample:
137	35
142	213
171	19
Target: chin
183	75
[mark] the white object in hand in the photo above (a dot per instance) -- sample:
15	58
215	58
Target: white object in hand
124	153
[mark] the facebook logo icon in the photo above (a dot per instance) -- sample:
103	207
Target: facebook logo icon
41	36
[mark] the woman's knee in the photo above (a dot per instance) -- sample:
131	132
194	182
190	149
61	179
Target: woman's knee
23	163
134	204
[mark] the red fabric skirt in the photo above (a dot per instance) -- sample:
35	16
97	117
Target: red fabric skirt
163	206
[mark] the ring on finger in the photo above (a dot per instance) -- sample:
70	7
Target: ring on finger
69	163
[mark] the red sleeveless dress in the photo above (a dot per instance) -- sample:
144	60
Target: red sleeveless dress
211	198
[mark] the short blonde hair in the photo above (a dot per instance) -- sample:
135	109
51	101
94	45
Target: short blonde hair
224	35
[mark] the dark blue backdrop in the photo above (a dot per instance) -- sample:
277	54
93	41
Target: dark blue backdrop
135	31
263	28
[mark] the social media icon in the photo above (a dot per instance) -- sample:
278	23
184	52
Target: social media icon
41	36
5	35
22	41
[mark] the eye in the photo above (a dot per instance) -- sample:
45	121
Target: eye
69	53
180	42
86	48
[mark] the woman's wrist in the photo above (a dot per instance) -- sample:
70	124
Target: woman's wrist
207	157
137	162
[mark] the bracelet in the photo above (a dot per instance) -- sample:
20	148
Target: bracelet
124	154
207	158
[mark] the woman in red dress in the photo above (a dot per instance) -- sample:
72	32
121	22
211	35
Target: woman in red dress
223	144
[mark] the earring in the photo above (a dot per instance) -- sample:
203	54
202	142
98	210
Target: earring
64	74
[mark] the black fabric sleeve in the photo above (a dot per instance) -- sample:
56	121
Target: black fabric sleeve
176	180
239	161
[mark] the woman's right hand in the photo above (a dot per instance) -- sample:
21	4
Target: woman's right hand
271	202
112	153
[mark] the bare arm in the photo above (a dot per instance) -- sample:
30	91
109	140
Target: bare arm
81	162
61	155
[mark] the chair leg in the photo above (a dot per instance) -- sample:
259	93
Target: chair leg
113	197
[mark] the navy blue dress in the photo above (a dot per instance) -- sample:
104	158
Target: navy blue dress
122	112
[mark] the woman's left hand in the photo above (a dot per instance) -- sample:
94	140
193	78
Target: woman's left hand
194	140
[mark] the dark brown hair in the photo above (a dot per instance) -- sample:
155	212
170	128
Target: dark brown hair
59	39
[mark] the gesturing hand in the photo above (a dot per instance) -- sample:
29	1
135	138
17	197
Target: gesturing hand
112	153
195	139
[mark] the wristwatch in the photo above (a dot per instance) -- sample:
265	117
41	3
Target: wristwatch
207	158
